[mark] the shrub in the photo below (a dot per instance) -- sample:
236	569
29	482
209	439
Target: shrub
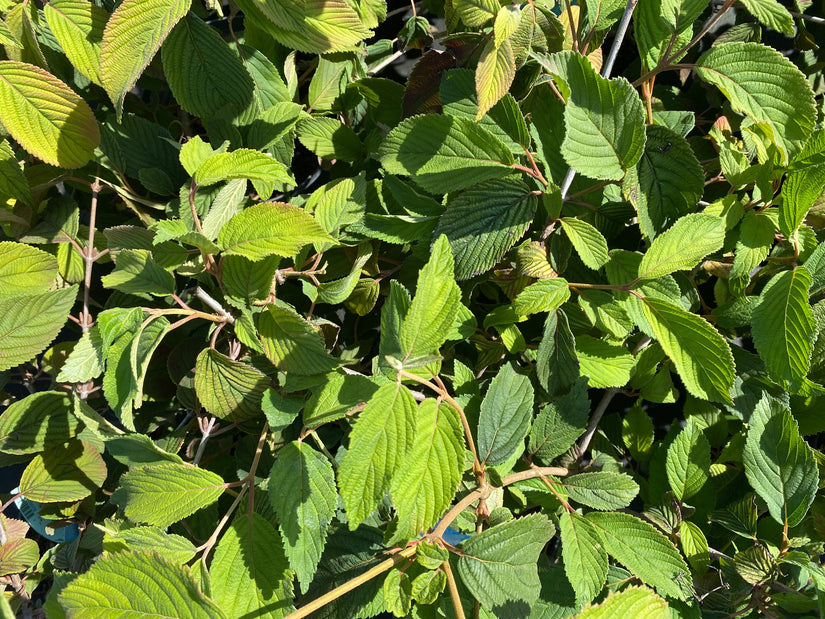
531	332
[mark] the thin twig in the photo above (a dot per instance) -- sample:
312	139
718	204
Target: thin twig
214	305
206	432
451	585
811	18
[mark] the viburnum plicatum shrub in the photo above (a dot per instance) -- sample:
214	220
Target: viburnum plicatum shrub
533	332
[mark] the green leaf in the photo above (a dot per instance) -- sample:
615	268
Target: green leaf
270	228
605	364
637	602
205	76
544	295
504	418
245	282
688	461
137	272
24	269
803	184
779	464
305	503
29	322
293	344
560	423
557	366
397	593
767	88
139	585
337	395
494	74
378	444
601	489
476	13
330	139
13	183
38	422
137	450
147	539
602	14
643	550
702	357
337	291
428	477
444	153
772	14
132	37
78	27
262	169
161	495
666	183
694	546
45	116
314	26
603	119
507	22
484	222
499	564
250	574
585	559
756	237
227	388
18	555
587	241
783	327
683	245
68	472
7	38
432	313
85	362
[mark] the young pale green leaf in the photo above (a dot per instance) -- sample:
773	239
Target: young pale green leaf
779	464
601	489
303	495
250	574
499	564
484	222
173	547
494	75
636	602
683	245
587	241
756	237
645	551
506	23
602	14
78	27
162	495
560	423
270	228
339	394
783	327
45	116
37	423
428	477
585	559
605	364
379	442
694	546
205	76
772	14
766	87
666	183
314	26
137	272
25	269
557	366
544	295
476	13
702	357
803	185
603	119
444	153
330	139
7	38
397	593
68	472
432	313
139	585
29	322
263	170
133	35
688	461
138	450
293	344
504	418
227	388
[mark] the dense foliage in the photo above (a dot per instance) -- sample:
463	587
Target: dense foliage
533	332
